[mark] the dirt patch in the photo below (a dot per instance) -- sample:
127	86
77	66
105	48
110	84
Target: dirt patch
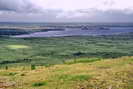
5	85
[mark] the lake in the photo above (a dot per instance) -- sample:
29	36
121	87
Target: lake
26	30
92	31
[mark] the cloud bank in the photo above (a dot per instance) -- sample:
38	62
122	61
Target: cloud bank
66	10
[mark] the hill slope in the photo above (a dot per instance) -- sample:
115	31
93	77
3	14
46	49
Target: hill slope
101	74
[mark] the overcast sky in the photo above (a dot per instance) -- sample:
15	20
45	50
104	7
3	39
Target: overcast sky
66	10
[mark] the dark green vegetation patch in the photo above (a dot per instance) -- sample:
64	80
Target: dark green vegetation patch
38	84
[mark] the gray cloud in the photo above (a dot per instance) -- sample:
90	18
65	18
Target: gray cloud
94	15
25	10
17	6
77	16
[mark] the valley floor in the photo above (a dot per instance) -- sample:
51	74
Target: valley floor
49	51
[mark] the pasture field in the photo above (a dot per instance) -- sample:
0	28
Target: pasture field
49	51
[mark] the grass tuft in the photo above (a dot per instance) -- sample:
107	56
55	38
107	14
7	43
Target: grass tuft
38	84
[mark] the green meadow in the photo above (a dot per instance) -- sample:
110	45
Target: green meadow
49	51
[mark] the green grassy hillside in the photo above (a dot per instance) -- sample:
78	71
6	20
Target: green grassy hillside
85	74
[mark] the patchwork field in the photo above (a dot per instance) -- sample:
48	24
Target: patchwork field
49	51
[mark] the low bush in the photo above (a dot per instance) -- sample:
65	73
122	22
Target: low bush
38	84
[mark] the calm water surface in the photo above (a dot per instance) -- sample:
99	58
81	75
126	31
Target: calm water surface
79	32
